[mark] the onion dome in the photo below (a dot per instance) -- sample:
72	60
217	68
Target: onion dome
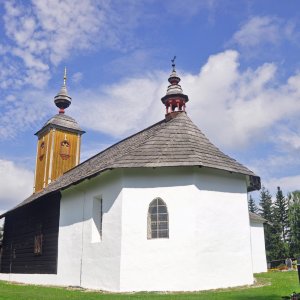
62	100
174	100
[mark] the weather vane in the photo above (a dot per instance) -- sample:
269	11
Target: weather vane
173	62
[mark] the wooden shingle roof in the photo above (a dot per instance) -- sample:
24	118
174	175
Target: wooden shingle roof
168	143
61	121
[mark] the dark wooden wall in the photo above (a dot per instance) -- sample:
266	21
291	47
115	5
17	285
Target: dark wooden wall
20	229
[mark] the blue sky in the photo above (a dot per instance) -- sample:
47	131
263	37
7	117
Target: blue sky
238	60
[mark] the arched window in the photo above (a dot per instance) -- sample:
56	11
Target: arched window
158	220
64	149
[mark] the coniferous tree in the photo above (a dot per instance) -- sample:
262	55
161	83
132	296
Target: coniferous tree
280	226
266	212
266	204
281	214
252	206
294	222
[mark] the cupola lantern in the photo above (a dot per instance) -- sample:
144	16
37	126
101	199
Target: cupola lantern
174	100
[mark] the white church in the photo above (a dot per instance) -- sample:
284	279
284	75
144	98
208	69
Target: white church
162	210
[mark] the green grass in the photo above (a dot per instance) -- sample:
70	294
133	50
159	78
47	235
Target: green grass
269	286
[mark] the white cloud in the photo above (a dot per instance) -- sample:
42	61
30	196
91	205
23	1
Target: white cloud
77	77
258	29
20	112
44	33
287	184
264	30
122	108
189	8
16	184
289	137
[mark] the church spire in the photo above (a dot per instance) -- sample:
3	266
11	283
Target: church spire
174	100
62	100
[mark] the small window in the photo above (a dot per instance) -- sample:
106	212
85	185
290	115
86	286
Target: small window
158	220
97	219
64	149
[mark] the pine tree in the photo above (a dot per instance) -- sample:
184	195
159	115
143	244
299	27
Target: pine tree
266	212
252	206
281	214
265	204
294	222
280	225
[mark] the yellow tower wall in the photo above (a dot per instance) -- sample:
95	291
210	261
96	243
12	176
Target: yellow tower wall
57	152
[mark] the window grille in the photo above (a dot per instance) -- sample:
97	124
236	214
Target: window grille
158	220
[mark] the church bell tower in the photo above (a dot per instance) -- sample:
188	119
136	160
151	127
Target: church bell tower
58	147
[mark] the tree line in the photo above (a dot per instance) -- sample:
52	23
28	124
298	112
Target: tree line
282	231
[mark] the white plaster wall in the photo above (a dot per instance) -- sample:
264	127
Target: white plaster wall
258	247
209	235
209	244
42	279
81	260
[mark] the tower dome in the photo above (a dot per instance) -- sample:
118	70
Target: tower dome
62	100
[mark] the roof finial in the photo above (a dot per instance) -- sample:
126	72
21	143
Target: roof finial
173	62
174	100
65	76
62	100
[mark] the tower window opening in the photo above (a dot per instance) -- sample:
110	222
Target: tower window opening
42	150
64	149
